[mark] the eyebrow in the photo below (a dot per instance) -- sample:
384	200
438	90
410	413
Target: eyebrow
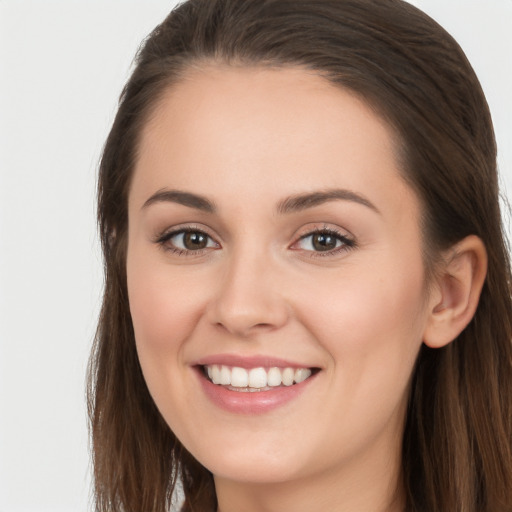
184	198
291	204
304	201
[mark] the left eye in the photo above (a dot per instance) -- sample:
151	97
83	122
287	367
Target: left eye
323	241
188	240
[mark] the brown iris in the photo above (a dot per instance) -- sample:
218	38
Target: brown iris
194	240
324	241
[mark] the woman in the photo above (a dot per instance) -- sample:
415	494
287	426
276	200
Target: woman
307	297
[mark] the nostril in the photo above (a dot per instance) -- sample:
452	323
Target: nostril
244	327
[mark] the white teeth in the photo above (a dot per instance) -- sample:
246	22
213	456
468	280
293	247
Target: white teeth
256	379
274	377
288	375
215	374
225	376
301	374
239	377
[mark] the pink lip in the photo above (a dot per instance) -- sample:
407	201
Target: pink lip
251	403
247	361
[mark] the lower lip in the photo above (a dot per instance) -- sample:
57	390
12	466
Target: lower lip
257	402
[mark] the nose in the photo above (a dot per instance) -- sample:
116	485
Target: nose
249	297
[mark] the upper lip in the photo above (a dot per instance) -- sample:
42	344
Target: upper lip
256	361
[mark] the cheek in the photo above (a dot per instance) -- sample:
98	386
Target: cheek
163	314
368	302
372	328
371	322
376	313
163	317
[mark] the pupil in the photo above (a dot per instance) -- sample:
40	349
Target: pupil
194	241
323	242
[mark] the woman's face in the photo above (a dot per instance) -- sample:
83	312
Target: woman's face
272	239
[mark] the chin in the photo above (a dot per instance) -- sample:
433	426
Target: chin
257	468
254	472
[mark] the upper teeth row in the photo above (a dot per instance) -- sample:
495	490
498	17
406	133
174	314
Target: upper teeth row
256	377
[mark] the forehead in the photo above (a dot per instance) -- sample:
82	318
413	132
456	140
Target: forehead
270	131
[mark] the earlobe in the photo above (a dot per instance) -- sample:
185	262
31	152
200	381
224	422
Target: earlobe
459	283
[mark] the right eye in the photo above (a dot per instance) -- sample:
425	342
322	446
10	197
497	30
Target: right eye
187	241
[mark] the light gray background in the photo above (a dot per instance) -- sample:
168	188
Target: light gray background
62	66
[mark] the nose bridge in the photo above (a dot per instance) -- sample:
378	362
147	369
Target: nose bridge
248	298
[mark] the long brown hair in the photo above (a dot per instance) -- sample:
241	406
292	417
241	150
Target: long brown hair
457	453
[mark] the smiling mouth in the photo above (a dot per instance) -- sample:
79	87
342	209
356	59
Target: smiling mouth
246	380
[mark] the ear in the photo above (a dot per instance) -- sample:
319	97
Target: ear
456	293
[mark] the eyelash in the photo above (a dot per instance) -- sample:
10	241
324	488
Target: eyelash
346	242
163	241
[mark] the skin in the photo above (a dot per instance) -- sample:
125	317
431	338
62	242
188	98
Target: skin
247	139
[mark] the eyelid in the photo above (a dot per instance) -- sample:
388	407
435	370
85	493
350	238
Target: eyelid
348	241
163	239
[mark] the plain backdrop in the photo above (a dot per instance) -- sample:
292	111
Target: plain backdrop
62	66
